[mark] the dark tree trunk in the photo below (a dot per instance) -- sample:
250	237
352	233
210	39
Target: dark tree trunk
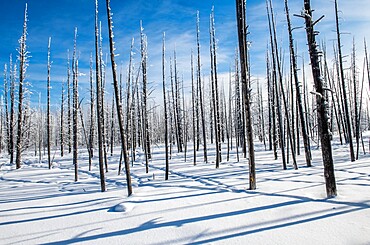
326	149
306	139
99	109
346	110
165	107
22	73
48	107
118	104
242	37
75	107
199	82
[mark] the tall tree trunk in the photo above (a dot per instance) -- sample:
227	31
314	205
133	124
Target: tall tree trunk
99	109
62	123
323	126
215	89
22	76
177	105
242	37
92	115
69	116
75	106
306	139
165	106
144	54
199	82
194	110
118	104
48	107
346	110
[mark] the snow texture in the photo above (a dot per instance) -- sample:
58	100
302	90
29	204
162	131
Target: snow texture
197	205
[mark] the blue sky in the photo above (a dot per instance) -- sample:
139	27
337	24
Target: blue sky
57	19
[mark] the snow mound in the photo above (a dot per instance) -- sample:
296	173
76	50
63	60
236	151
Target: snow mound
122	207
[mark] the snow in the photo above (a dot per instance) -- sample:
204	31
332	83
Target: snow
197	205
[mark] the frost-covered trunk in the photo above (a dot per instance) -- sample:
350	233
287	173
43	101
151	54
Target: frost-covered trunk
75	106
22	74
215	93
48	136
118	102
321	104
199	83
61	135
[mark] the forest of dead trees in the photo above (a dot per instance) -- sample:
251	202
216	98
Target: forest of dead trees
283	111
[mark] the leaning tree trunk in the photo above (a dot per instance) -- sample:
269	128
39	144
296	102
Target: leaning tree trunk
118	103
346	110
306	140
323	127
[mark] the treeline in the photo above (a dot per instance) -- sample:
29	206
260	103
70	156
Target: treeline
284	112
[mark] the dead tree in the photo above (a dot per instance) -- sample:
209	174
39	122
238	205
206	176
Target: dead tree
118	101
146	136
200	98
215	96
306	139
345	101
92	115
276	98
48	107
322	116
194	117
165	106
6	119
23	63
12	110
99	108
62	122
242	37
75	106
69	116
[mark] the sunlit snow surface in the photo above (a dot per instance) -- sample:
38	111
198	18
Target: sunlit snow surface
197	205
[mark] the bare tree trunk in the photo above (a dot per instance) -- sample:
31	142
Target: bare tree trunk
69	118
199	82
276	98
144	54
306	139
177	105
6	119
215	89
99	109
22	71
194	110
346	110
92	116
118	104
48	107
165	106
326	149
242	36
62	123
75	107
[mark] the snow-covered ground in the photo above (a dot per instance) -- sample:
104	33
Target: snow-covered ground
197	205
